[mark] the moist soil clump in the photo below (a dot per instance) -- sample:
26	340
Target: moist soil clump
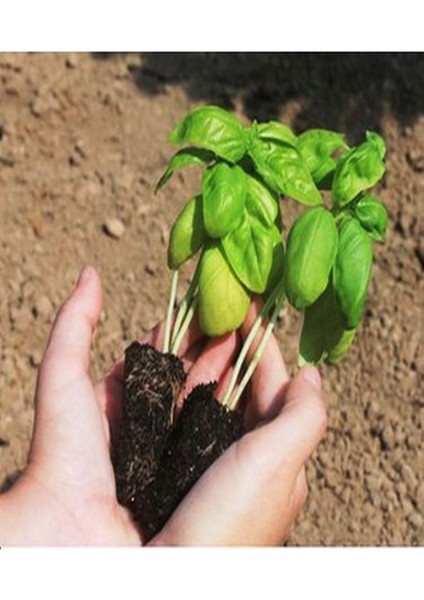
152	382
203	431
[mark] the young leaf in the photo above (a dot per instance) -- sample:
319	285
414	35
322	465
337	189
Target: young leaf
322	329
284	170
357	170
188	233
224	197
352	270
223	301
310	253
317	147
249	250
373	216
213	128
260	201
342	347
186	157
273	130
378	142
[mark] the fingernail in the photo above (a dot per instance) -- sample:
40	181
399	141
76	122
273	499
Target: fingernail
311	374
84	275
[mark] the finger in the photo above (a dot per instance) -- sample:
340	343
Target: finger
67	354
192	355
191	337
301	490
300	424
224	382
109	392
270	377
212	363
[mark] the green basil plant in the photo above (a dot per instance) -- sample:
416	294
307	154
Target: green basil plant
234	228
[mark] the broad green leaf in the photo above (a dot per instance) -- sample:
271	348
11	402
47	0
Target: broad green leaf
373	216
356	171
284	170
276	274
310	253
223	300
260	201
249	250
213	128
186	157
317	147
188	233
273	130
352	270
322	329
378	142
224	197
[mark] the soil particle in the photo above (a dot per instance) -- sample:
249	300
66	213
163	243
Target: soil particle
114	228
43	307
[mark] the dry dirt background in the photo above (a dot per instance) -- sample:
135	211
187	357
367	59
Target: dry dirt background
83	139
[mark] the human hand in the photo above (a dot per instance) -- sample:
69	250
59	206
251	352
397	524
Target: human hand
67	492
253	493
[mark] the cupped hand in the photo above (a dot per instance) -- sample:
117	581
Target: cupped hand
66	495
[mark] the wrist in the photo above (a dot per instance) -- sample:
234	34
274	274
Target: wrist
23	518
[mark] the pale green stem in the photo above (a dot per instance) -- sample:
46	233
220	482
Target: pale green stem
248	342
185	303
258	354
185	325
170	311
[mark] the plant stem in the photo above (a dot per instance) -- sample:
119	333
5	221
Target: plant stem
171	304
248	342
185	325
185	303
258	354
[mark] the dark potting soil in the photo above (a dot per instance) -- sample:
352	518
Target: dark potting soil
158	459
203	431
152	382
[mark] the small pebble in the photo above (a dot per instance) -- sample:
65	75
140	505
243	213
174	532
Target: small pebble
72	60
114	228
408	476
416	520
420	497
42	307
150	268
416	160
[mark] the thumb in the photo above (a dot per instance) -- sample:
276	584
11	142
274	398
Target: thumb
303	418
65	403
67	354
285	443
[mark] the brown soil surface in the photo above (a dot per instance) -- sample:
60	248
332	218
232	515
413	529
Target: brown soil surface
84	139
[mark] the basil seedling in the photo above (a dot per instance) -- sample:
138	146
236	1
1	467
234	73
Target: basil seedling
234	227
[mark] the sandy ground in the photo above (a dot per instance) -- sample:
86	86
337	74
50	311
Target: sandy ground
83	139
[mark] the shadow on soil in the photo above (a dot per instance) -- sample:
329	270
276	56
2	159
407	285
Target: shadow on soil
346	91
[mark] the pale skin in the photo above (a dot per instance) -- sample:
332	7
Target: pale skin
250	496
